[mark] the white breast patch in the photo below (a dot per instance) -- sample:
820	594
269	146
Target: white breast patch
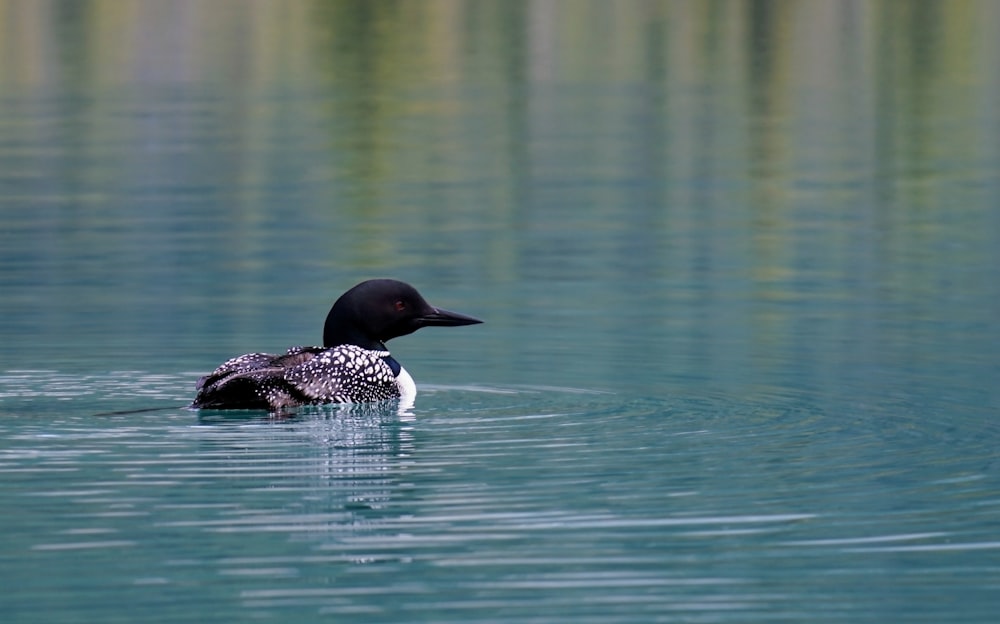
407	389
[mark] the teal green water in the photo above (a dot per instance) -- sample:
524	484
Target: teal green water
737	262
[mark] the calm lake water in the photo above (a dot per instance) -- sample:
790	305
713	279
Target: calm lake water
738	264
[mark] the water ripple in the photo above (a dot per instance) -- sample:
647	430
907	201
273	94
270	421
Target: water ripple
529	502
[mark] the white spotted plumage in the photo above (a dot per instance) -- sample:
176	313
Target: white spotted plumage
302	376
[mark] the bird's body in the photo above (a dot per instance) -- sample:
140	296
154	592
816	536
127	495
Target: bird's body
353	365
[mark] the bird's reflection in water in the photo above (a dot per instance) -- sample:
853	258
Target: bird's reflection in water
346	462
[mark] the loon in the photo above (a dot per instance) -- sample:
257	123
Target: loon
352	366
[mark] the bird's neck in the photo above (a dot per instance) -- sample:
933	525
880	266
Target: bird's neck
336	336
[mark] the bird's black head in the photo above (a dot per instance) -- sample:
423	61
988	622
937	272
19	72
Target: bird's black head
381	309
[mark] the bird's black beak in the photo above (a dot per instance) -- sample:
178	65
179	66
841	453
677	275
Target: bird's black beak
443	318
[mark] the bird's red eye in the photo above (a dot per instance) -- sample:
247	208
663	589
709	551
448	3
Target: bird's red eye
400	306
